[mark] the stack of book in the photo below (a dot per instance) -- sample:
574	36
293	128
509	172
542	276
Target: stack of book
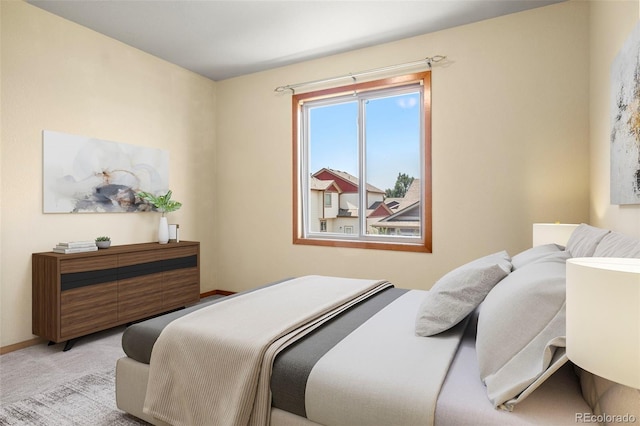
75	247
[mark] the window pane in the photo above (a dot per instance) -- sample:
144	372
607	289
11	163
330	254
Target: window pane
333	141
393	161
333	165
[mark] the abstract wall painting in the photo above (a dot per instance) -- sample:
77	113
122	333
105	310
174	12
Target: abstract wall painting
88	175
625	122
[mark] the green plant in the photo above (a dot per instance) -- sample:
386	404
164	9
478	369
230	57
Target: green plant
162	203
103	239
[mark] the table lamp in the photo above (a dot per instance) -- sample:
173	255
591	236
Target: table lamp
547	233
603	317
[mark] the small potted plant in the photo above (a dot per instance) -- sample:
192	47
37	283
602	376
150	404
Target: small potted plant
103	242
163	204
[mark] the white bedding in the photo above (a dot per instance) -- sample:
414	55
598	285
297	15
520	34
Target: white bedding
463	398
393	380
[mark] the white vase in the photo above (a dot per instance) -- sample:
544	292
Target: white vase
163	231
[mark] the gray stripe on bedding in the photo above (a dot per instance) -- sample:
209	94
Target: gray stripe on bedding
138	339
293	365
383	373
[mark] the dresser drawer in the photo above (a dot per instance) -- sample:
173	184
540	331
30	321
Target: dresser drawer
84	310
94	263
139	297
180	288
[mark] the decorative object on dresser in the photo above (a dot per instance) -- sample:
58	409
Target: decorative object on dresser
174	233
75	247
78	294
163	204
103	242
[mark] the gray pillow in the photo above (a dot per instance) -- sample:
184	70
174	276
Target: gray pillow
584	240
521	330
618	245
534	253
459	292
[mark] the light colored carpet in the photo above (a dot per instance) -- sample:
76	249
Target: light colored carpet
87	400
37	369
42	385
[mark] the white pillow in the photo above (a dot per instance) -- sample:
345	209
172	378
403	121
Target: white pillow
584	240
615	244
534	253
521	330
459	292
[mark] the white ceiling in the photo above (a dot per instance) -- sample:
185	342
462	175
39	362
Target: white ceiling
223	39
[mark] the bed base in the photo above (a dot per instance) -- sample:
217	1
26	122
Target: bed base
131	388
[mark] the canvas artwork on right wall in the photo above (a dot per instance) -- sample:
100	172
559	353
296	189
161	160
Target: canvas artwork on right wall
625	122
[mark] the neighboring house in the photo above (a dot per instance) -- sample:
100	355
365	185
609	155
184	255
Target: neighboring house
323	204
378	211
334	204
405	219
393	203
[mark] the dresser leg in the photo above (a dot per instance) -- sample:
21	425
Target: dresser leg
69	344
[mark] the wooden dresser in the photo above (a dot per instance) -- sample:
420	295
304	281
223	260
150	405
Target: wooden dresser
81	293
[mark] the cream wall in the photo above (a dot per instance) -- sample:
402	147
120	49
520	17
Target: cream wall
57	75
610	25
510	147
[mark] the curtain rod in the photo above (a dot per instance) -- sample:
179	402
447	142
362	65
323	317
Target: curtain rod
428	61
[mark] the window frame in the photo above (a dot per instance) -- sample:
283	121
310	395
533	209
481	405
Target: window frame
425	243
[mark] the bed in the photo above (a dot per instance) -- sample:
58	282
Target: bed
484	346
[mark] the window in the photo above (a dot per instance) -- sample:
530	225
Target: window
327	199
378	133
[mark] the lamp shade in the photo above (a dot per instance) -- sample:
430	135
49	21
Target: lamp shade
547	233
603	317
